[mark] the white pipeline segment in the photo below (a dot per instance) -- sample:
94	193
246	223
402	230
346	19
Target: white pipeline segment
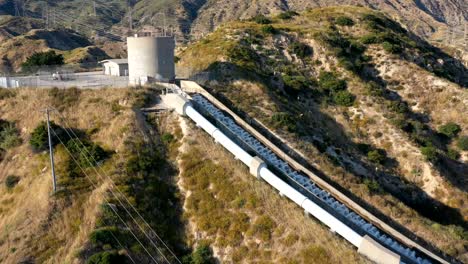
311	207
222	139
274	180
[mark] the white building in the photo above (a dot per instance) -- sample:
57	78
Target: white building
115	67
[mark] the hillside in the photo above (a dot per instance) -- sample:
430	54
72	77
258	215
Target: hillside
363	100
158	164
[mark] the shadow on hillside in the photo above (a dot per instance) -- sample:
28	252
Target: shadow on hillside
437	61
408	193
417	128
429	57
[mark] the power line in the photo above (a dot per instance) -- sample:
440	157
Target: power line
101	30
112	182
62	118
107	201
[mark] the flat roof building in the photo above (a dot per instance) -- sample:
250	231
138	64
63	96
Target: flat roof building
115	67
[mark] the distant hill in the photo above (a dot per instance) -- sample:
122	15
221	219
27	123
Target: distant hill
437	20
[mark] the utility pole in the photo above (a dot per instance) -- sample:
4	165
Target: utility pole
47	15
51	150
53	18
94	7
130	15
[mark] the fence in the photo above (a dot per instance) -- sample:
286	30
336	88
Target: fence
64	76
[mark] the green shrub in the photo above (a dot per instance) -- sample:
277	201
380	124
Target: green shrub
86	153
284	120
261	19
328	81
369	39
463	143
9	135
107	257
295	84
39	137
6	93
202	255
344	21
263	227
269	29
450	129
145	162
374	89
104	236
373	22
376	156
300	49
391	48
43	58
11	181
167	138
373	186
430	152
453	154
244	57
288	15
344	98
398	106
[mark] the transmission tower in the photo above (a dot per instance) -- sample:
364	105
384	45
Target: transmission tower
16	5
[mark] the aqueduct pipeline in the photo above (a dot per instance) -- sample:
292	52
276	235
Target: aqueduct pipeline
264	164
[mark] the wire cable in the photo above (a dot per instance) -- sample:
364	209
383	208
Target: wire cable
83	149
107	201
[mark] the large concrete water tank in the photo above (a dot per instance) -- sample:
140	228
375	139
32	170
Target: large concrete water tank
150	58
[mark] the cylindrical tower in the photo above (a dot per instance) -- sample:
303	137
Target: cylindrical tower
150	59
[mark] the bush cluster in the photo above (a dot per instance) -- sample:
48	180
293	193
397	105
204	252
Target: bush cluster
107	257
244	57
391	47
86	153
42	59
39	137
463	143
11	181
261	19
344	98
9	135
335	87
373	186
300	49
430	152
269	29
348	50
295	84
377	156
329	82
288	15
263	227
202	255
284	120
344	21
6	93
450	130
